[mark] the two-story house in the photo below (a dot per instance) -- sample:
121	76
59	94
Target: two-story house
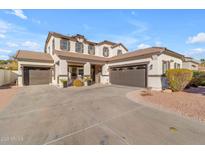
69	57
66	57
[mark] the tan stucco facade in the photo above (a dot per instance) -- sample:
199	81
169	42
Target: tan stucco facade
154	68
61	66
191	65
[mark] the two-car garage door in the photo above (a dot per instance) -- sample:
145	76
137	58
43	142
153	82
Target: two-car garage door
36	75
135	75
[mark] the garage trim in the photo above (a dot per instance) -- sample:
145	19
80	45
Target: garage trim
132	65
27	78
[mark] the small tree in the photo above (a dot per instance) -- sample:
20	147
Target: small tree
178	79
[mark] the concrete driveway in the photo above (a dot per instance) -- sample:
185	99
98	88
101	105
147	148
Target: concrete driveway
91	115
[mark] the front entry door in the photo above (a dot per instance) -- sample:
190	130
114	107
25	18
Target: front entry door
93	72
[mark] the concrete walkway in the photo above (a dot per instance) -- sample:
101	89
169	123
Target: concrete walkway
7	92
91	115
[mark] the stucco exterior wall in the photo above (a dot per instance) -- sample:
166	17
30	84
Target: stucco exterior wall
98	48
7	77
114	50
154	68
165	57
104	78
87	69
190	65
49	48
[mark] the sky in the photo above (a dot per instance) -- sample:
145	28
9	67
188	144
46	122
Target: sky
182	31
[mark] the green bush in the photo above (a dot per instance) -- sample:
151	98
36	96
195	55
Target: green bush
77	83
178	79
64	82
198	79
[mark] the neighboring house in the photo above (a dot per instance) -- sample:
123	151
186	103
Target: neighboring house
190	63
67	57
202	68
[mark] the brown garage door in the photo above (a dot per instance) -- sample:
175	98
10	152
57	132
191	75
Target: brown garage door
36	76
129	75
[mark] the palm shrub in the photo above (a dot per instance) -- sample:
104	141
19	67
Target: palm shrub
77	83
178	79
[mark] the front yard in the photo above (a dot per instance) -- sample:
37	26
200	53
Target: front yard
190	102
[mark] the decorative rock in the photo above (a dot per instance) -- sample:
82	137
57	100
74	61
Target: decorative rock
167	91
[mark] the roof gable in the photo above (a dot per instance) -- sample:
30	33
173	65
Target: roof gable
26	55
120	44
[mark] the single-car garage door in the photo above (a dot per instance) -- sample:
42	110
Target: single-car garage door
129	75
36	75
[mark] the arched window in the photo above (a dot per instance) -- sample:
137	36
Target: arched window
91	49
79	47
105	51
119	52
65	45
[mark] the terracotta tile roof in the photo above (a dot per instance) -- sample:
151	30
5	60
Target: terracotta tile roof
33	56
80	55
138	53
72	38
36	56
107	42
75	37
189	59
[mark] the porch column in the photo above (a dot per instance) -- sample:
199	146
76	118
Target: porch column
20	75
63	71
87	69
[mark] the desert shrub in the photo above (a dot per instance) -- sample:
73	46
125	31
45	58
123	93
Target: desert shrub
178	79
203	83
77	83
64	82
198	79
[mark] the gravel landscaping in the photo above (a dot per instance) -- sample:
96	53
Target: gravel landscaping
190	102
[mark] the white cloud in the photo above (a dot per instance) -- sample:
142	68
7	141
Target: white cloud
30	45
4	57
10	44
158	44
36	21
5	51
2	36
143	46
199	38
139	26
4	28
19	13
197	51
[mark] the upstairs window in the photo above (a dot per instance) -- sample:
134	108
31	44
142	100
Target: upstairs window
65	45
79	47
105	51
119	52
53	46
165	66
91	49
